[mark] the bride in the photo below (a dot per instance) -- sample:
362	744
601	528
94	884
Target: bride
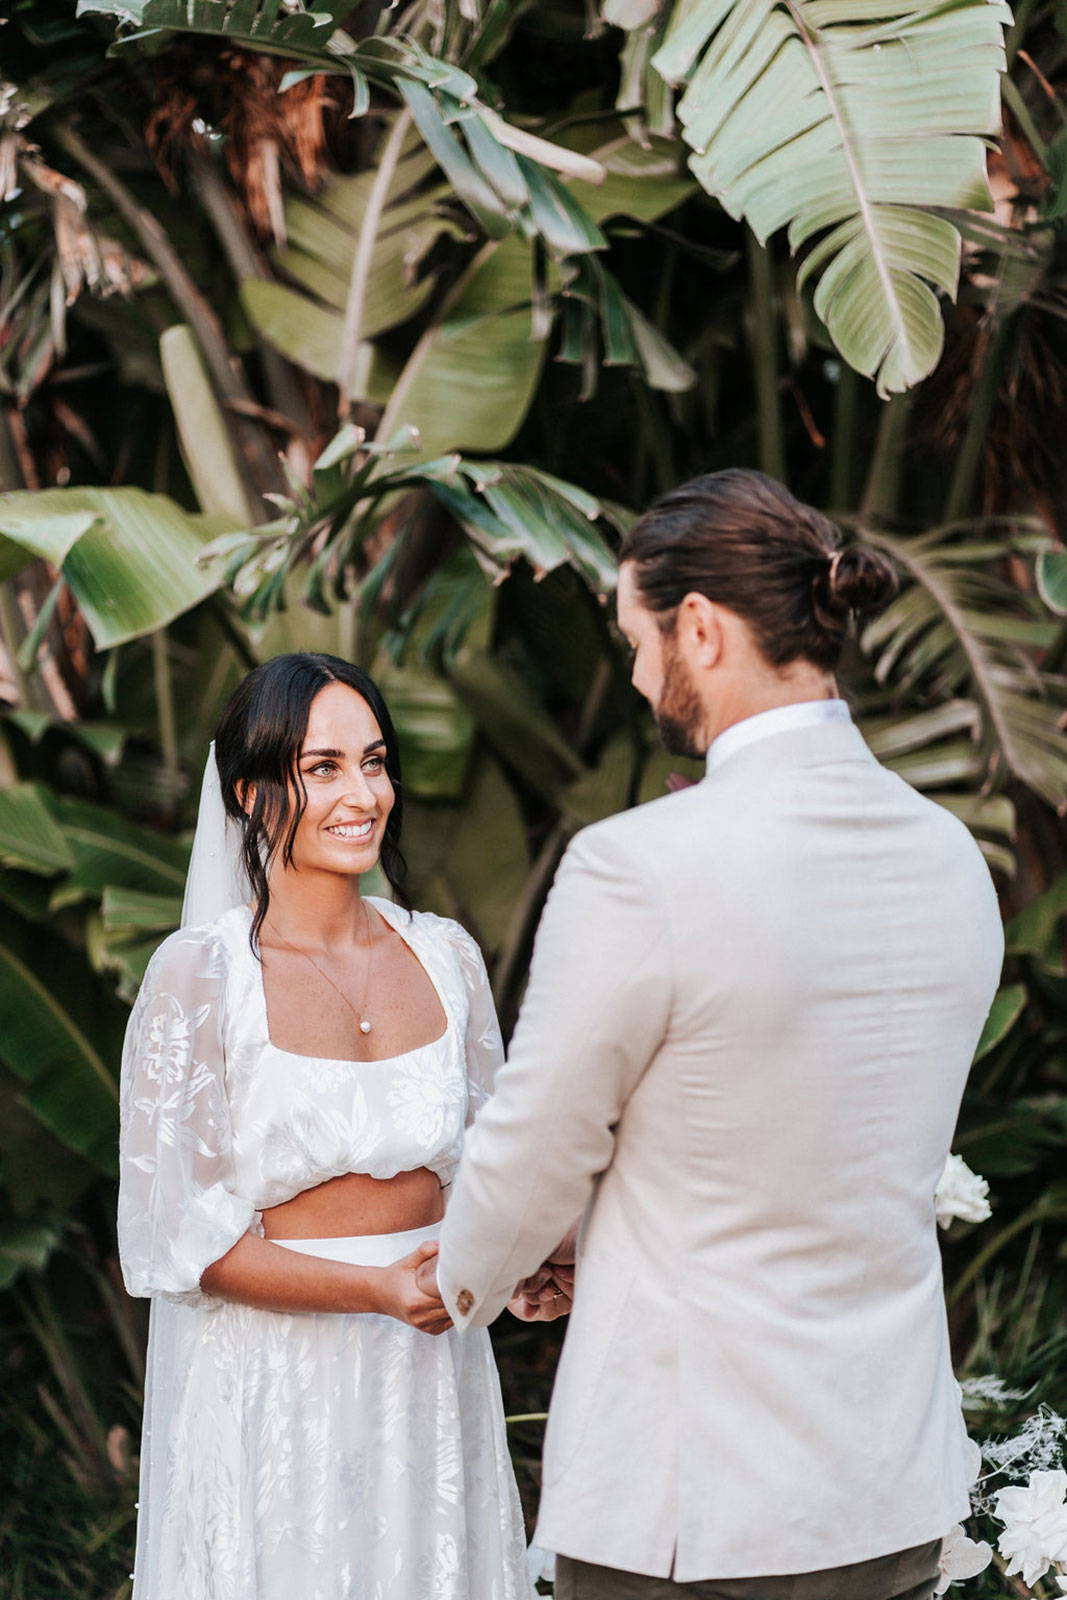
299	1067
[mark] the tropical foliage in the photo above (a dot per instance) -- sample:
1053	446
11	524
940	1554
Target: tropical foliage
368	330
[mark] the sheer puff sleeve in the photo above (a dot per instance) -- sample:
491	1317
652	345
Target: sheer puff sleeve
178	1211
484	1046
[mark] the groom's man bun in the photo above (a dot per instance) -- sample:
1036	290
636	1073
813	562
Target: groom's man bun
743	540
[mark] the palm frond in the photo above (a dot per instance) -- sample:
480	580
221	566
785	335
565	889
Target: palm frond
958	631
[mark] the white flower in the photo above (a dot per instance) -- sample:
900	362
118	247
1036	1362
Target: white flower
961	1558
1035	1524
961	1193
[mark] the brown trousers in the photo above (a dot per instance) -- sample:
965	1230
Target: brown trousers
906	1575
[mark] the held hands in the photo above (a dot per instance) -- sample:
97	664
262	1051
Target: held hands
549	1292
408	1291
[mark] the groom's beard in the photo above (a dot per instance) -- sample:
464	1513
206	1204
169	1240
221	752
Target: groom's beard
679	714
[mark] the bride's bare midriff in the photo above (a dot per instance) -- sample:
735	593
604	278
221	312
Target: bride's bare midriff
356	1204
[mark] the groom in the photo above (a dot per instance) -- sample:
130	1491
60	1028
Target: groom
751	1012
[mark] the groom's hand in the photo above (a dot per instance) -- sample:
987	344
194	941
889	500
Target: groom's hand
546	1295
549	1292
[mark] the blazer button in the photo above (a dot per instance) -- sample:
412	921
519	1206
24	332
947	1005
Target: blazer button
464	1301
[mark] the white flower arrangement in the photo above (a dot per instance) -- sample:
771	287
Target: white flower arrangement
1035	1525
1031	1541
961	1193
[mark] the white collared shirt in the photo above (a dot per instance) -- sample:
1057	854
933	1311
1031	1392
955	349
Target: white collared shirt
780	719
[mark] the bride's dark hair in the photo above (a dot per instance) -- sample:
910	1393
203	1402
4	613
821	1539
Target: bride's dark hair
258	741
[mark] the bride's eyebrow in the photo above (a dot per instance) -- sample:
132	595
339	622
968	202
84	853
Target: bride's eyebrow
375	744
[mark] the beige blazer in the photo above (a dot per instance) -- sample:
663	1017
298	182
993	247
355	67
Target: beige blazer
750	1015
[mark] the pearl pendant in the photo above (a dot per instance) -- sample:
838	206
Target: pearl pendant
364	1027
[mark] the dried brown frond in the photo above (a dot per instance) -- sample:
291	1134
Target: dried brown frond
206	94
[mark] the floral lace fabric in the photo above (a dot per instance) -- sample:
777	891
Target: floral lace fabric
334	1457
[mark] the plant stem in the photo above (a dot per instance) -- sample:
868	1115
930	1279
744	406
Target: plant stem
969	458
1021	112
844	438
194	307
363	258
524	919
168	730
1017	31
246	261
762	332
882	488
9	637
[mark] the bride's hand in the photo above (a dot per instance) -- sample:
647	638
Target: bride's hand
402	1297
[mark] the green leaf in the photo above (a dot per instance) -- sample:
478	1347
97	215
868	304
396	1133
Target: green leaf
68	1088
32	534
1035	931
1008	1006
844	123
255	24
514	722
1051	572
29	837
663	367
469	382
24	1246
310	335
435	729
470	859
630	13
134	567
205	439
111	852
482	200
124	910
643	181
28	893
559	218
958	630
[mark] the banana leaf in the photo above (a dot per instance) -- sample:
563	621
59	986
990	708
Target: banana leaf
1036	930
848	125
1008	1006
110	852
470	860
207	444
52	1049
129	558
29	835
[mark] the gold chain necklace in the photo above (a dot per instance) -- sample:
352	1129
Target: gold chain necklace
360	1015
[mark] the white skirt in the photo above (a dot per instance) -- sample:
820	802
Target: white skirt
317	1456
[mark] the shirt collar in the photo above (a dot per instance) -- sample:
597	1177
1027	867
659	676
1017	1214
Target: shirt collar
780	719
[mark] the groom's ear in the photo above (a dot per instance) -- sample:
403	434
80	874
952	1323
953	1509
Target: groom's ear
700	620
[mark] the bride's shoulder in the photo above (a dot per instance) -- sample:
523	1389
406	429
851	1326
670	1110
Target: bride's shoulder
200	950
443	932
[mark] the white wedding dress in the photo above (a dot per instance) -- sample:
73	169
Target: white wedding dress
303	1456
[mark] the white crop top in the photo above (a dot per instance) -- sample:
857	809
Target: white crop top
218	1123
